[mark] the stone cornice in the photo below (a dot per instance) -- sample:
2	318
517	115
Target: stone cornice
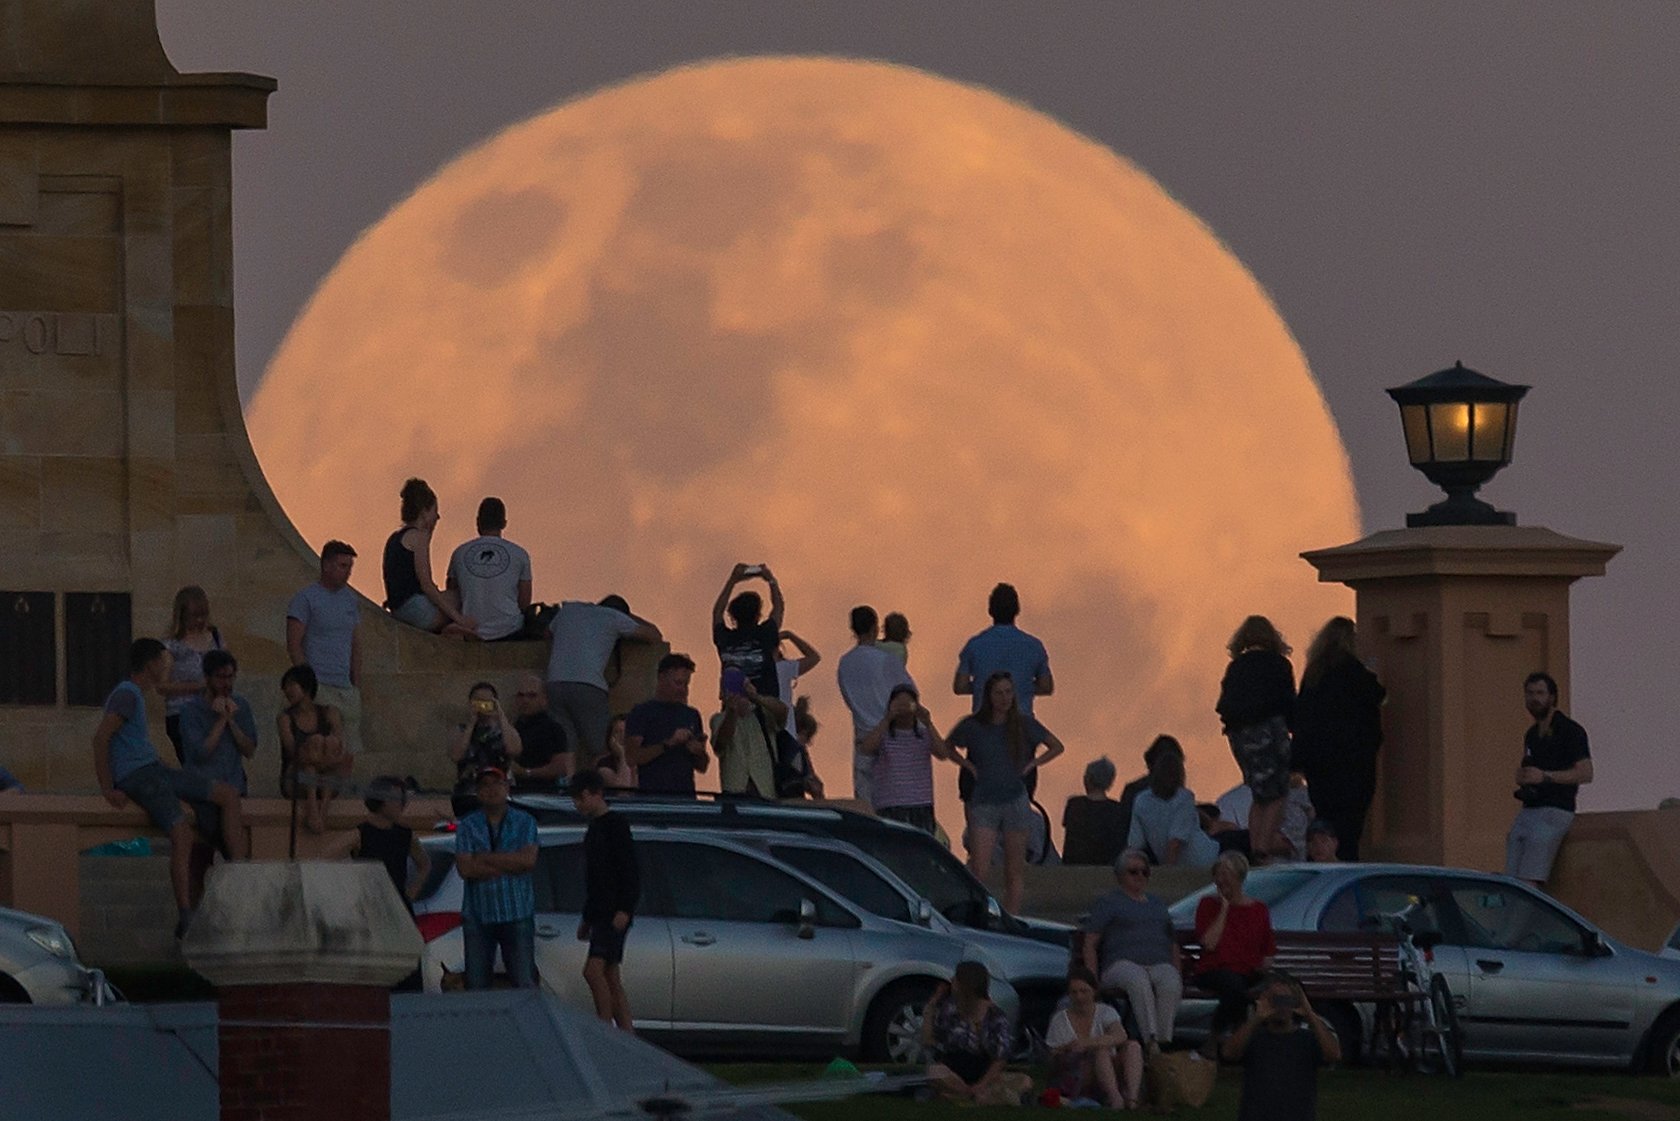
1502	551
186	100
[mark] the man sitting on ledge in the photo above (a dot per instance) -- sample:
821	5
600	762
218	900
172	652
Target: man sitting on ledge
129	770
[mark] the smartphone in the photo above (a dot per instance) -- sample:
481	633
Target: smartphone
753	570
484	706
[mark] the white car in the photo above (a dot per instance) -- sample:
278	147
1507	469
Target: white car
731	951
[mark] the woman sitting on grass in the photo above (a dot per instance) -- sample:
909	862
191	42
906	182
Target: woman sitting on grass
969	1038
1090	1054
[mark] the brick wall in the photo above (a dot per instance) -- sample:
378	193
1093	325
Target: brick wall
305	1052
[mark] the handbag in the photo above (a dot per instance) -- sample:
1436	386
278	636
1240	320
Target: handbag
1175	1078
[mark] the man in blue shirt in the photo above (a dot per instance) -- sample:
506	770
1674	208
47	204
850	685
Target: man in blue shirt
1004	646
496	848
129	770
218	733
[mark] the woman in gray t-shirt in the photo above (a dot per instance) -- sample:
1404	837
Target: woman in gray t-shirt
1129	944
999	747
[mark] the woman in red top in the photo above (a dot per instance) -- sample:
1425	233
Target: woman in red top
1237	944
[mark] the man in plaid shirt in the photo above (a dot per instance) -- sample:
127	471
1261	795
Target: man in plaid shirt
496	848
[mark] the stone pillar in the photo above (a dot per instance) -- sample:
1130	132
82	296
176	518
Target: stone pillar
303	956
1452	618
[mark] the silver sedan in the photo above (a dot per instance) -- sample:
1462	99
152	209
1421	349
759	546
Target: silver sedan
731	952
1532	981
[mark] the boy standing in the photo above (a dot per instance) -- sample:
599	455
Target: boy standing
612	887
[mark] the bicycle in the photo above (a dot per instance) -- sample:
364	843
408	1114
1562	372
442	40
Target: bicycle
1422	1031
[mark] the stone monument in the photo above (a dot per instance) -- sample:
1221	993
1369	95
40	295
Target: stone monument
125	469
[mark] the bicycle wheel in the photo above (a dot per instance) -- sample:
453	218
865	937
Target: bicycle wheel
1449	1036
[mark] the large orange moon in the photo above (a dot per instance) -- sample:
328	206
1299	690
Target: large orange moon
899	337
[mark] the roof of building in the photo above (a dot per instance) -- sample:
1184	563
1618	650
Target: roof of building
509	1054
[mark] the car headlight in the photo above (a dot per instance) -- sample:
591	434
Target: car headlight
55	942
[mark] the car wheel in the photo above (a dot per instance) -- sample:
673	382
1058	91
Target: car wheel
1665	1045
11	992
892	1030
1344	1020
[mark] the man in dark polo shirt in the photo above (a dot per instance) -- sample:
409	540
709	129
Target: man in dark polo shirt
664	739
1555	765
1281	1048
545	757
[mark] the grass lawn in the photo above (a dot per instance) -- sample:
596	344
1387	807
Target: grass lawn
1344	1095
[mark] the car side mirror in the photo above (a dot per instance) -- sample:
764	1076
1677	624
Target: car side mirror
924	913
1592	945
993	912
807	919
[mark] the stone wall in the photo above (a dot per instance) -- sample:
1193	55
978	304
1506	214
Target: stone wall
125	468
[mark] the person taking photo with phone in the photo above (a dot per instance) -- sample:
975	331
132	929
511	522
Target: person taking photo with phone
487	739
1281	1047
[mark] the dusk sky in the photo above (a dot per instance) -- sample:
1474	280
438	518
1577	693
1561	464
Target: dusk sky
1412	184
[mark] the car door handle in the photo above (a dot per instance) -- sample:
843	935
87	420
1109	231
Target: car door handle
547	930
1489	966
699	938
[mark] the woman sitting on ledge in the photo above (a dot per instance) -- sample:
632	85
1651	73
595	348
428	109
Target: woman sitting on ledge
411	594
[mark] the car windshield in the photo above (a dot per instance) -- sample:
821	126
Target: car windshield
1270	886
930	871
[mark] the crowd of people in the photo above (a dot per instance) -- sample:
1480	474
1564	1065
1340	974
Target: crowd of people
1307	756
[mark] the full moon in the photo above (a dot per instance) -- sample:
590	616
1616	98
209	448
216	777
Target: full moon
898	337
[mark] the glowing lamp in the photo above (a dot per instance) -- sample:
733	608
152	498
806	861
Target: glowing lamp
1460	427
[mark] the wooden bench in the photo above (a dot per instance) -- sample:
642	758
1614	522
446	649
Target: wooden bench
1359	968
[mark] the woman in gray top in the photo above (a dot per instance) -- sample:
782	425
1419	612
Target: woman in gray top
999	748
1130	946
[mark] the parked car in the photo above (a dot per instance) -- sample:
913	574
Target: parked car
38	964
920	860
1532	981
731	952
1036	969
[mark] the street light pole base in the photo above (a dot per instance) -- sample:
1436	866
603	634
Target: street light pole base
1461	509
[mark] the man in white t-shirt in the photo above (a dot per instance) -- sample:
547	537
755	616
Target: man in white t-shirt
584	636
867	675
1235	803
492	575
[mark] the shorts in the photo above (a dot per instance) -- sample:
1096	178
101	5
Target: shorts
606	943
1002	817
1262	751
1533	842
919	816
863	777
348	700
584	711
418	611
160	790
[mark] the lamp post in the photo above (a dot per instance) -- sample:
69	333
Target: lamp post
1460	427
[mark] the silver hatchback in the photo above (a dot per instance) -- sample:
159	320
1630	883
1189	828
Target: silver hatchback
731	952
1532	981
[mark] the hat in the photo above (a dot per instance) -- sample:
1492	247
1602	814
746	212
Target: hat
490	772
1322	827
734	682
903	687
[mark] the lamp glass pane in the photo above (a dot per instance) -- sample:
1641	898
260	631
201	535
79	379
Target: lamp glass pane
1450	425
1488	439
1510	430
1417	433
